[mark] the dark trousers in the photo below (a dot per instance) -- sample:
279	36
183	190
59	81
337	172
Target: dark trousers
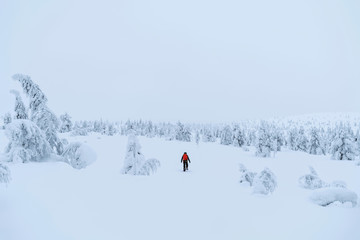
186	165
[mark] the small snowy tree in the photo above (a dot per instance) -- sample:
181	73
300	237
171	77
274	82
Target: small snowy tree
111	130
311	180
7	119
197	137
26	142
66	125
302	141
208	136
20	110
182	133
238	137
226	136
292	139
135	162
246	177
315	146
264	182
276	138
4	174
264	141
343	147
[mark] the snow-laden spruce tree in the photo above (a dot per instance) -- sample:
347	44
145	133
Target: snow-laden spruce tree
20	110
7	119
343	147
135	162
197	137
264	182
26	142
264	141
66	124
5	176
182	133
208	135
302	142
41	115
226	137
292	139
276	137
238	137
111	130
315	145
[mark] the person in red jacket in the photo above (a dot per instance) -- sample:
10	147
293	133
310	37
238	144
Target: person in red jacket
184	159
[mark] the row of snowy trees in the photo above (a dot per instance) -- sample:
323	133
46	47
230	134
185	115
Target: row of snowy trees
267	137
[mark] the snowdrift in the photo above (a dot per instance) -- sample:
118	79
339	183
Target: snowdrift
329	195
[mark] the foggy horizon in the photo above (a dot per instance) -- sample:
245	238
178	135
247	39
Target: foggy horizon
193	61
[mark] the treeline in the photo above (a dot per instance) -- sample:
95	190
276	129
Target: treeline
340	140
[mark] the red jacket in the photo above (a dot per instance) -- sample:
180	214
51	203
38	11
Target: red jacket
185	157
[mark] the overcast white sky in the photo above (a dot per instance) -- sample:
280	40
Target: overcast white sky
193	60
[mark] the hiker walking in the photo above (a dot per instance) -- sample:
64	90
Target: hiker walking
184	159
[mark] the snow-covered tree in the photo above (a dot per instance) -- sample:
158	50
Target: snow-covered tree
26	142
7	119
66	123
43	117
111	130
135	162
20	110
311	180
49	123
5	176
264	182
357	141
246	177
208	136
343	147
182	133
315	145
276	137
302	141
197	137
238	137
292	139
264	141
226	137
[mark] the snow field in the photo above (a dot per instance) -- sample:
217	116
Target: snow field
54	201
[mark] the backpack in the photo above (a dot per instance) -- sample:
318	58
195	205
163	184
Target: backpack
185	157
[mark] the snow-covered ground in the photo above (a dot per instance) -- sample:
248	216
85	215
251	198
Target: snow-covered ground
52	200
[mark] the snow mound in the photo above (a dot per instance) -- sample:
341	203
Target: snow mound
246	177
329	195
312	180
264	182
150	166
79	155
4	174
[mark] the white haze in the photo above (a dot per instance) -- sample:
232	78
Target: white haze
188	60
